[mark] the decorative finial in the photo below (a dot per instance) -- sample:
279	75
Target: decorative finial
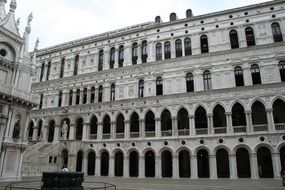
13	5
18	23
36	44
30	18
3	2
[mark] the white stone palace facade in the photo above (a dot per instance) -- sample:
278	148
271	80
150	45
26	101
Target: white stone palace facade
197	97
16	68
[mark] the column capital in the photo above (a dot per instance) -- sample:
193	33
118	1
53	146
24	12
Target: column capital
86	123
228	113
191	116
157	119
113	122
269	110
142	120
210	114
99	123
127	121
247	111
173	117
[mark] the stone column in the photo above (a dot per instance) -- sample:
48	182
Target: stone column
249	127
113	129
172	46
192	129
86	126
183	47
35	133
141	167
139	53
74	97
81	96
210	124
71	131
111	166
142	128
100	130
175	168
157	167
229	123
65	98
85	162
45	128
157	127
254	166
126	167
276	164
193	163
127	129
270	120
233	166
128	55
213	166
162	50
174	126
106	59
88	95
56	134
97	166
116	65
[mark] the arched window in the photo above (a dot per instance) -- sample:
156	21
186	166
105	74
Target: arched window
204	44
276	32
100	62
167	50
76	61
281	66
159	86
112	57
189	82
141	88
106	127
42	71
120	126
93	128
70	97
121	56
41	101
166	124
59	99
187	46
31	130
207	80
239	76
84	95
92	96
134	53
178	48
79	129
149	124
112	94
144	51
183	122
158	49
234	39
77	97
134	125
100	93
255	74
48	70
249	34
62	67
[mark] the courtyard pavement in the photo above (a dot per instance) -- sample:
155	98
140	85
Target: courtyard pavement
183	184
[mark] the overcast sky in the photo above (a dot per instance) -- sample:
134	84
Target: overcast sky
58	21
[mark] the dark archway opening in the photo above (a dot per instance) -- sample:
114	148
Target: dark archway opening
91	163
51	131
166	163
282	157
243	163
184	164
149	164
104	164
119	164
134	164
222	159
79	161
79	128
264	160
183	122
149	124
64	154
203	164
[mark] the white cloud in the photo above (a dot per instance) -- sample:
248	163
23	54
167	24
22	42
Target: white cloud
60	21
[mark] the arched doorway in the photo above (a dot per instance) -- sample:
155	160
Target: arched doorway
119	163
104	164
183	122
264	160
166	124
79	128
222	159
201	124
79	159
243	163
166	163
134	164
149	164
184	164
51	130
203	164
282	156
91	163
64	155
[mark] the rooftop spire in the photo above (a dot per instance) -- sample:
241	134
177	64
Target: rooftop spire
2	9
13	5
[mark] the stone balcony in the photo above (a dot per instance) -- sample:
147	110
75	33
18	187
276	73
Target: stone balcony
18	93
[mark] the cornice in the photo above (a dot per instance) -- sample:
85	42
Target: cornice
12	36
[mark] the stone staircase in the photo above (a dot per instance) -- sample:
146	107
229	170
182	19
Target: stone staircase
41	157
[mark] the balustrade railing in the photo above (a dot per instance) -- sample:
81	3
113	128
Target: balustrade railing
149	134
280	126
183	132
239	129
106	136
220	130
261	127
120	135
93	136
202	131
134	134
166	133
